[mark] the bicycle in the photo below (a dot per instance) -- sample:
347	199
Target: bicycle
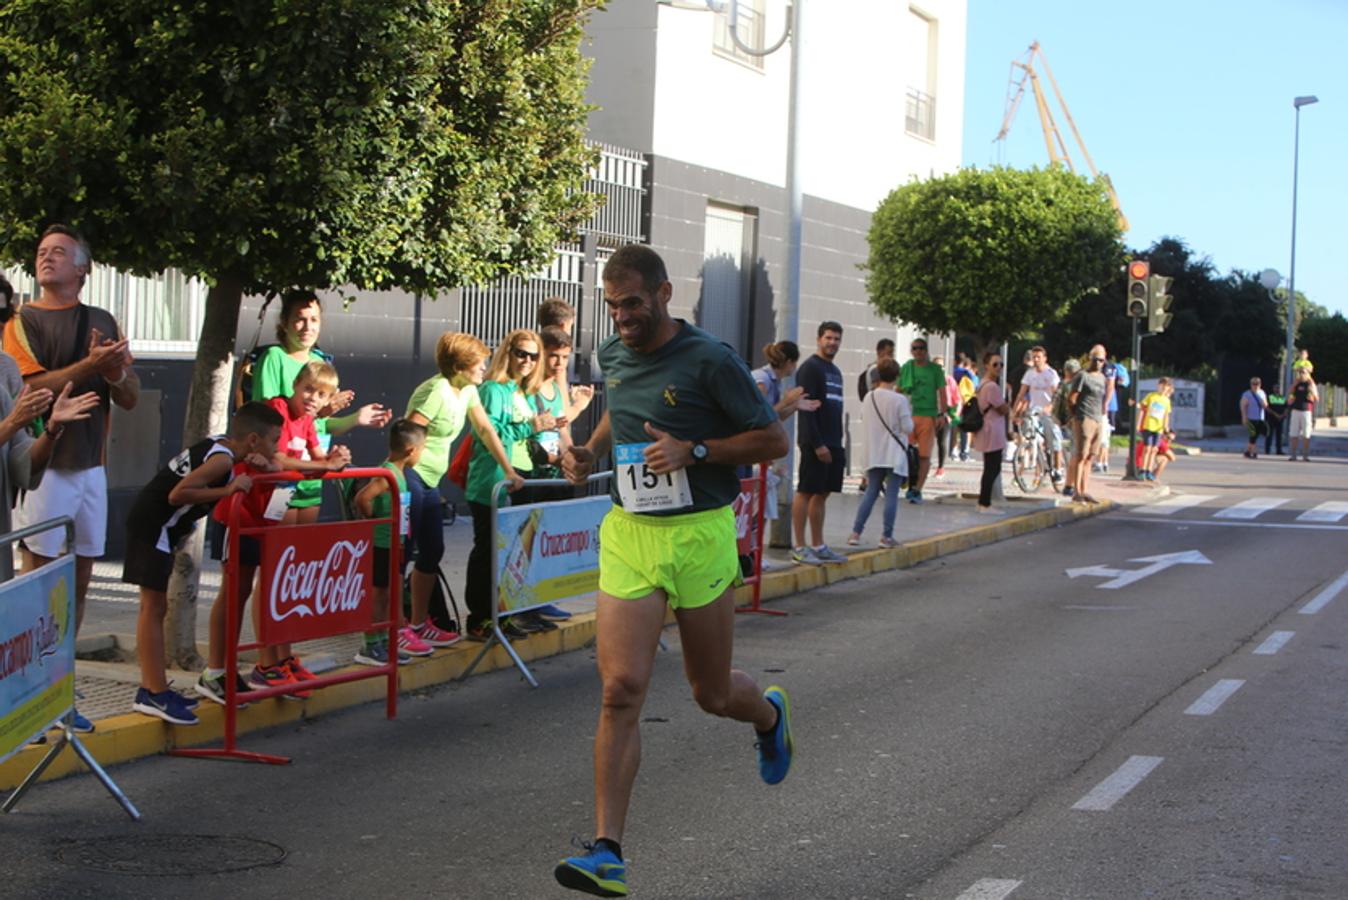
1030	463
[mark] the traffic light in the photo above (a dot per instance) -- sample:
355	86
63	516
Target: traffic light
1158	310
1139	290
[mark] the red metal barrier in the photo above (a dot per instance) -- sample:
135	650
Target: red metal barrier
750	512
314	582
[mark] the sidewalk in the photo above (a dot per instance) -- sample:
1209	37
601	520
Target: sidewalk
1326	441
947	522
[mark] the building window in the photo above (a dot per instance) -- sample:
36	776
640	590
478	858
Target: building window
919	60
749	26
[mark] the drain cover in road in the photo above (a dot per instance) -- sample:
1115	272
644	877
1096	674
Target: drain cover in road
170	854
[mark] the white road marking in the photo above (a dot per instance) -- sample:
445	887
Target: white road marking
1174	503
1104	795
1321	600
1273	643
1298	526
1250	509
990	889
1214	697
1097	606
1119	578
1330	511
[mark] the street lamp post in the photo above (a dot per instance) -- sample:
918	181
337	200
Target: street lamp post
1297	103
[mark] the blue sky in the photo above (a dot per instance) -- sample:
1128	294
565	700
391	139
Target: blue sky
1187	104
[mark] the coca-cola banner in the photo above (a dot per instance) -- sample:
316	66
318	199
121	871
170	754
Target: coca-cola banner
548	551
316	581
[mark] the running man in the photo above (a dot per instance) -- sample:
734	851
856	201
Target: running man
683	412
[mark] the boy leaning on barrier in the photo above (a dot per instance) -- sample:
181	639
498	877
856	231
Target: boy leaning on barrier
406	440
163	516
297	450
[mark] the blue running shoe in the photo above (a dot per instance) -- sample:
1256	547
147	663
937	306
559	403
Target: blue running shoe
552	611
81	725
775	748
167	705
598	872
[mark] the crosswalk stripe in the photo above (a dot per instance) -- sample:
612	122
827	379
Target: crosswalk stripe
1250	509
1173	504
1330	511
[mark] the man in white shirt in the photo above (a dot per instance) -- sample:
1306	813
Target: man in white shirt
1036	398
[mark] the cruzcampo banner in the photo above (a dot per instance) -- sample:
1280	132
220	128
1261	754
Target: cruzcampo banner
548	552
37	652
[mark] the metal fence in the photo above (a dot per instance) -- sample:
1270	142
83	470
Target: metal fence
161	314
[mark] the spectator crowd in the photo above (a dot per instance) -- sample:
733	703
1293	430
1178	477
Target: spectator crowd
66	363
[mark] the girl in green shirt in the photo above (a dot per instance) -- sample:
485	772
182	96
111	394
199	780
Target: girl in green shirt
506	394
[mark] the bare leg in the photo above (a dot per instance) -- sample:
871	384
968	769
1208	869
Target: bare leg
708	637
215	656
800	506
150	640
818	503
84	573
628	632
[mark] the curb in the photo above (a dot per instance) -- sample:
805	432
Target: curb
132	736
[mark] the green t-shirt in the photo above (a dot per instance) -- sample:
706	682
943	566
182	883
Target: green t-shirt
509	414
549	398
694	387
446	410
921	384
274	376
383	505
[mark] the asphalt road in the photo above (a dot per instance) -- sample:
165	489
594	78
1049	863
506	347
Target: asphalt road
951	722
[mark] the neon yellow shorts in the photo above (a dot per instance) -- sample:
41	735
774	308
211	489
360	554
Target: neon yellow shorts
692	557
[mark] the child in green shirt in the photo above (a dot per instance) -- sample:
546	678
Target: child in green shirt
406	441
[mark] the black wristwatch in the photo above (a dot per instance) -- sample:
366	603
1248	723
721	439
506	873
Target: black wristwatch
699	452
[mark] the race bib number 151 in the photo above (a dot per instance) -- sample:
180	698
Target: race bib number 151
641	490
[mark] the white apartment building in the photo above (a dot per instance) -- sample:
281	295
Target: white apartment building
882	87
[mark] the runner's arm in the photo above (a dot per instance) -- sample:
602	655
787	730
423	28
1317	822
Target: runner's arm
668	453
364	499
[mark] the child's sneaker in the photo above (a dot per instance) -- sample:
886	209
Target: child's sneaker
435	637
298	672
376	654
166	705
410	643
275	676
214	688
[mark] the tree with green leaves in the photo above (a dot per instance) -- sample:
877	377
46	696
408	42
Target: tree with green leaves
992	253
294	144
1326	337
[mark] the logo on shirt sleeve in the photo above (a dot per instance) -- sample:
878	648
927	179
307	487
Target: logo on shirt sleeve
671	395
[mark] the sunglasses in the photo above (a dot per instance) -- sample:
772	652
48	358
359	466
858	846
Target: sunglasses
996	365
523	354
917	347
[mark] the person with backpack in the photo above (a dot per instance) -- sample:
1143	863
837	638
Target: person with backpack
889	420
990	438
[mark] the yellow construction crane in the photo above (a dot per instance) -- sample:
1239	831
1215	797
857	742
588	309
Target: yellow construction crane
1053	140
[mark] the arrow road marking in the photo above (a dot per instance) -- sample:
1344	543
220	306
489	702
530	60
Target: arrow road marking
1250	509
1124	577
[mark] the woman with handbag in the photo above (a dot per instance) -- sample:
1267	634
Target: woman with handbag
513	378
990	440
888	422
